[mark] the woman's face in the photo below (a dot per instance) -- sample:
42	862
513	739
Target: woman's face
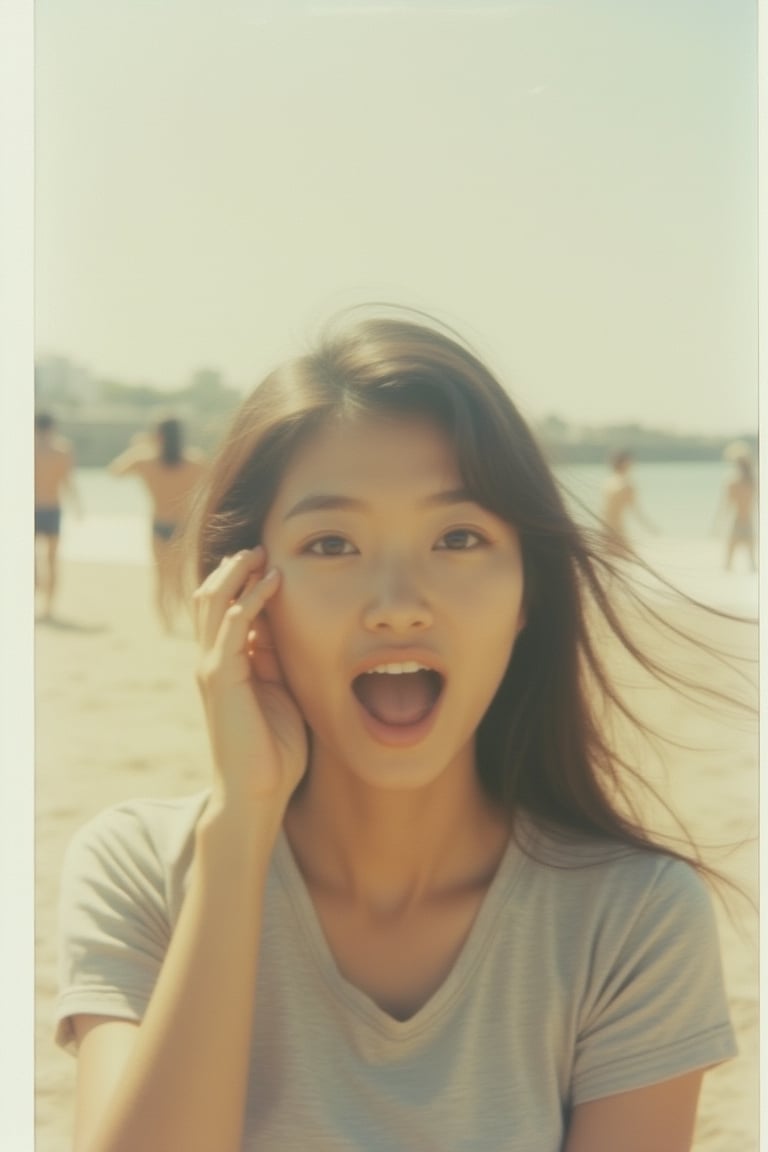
399	603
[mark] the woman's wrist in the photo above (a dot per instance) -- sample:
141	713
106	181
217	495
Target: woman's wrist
237	830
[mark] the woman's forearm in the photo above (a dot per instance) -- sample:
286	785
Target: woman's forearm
185	1082
182	1080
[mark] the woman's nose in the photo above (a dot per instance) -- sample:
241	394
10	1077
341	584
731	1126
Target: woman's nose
396	602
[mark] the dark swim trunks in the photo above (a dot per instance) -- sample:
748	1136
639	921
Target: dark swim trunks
163	529
47	520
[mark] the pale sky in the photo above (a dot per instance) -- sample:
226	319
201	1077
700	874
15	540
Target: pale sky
571	184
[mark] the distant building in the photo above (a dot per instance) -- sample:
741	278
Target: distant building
63	384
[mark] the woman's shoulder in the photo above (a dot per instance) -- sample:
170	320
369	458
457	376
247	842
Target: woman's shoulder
157	826
569	860
614	900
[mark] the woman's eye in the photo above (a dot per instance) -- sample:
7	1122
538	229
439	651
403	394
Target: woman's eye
329	546
460	540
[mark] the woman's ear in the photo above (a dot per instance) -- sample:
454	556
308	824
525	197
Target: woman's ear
262	652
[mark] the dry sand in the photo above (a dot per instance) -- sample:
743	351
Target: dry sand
117	716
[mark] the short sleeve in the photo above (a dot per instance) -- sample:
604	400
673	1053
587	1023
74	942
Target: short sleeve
114	925
657	1006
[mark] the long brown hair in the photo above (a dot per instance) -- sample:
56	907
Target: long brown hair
542	746
171	437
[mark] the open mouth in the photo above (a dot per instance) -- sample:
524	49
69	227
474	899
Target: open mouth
399	695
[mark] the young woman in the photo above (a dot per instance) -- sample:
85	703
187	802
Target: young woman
410	913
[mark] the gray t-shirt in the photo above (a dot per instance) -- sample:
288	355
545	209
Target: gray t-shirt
590	971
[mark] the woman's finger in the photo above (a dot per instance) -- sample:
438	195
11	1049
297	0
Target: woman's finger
224	585
240	619
262	653
201	595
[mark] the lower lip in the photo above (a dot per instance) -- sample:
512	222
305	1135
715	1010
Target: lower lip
400	735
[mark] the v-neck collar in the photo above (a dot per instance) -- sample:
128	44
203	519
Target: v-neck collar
472	951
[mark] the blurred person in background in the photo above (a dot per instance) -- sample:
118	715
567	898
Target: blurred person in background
620	498
739	501
171	473
54	479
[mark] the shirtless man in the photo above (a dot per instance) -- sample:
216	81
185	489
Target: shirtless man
619	498
170	473
54	477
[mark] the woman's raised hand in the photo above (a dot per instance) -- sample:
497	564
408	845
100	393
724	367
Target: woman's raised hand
257	733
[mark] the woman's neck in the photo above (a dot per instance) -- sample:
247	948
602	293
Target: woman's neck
385	852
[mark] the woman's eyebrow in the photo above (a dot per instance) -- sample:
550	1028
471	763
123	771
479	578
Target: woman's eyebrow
450	496
331	501
324	502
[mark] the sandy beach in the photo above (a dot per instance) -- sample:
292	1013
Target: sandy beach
117	716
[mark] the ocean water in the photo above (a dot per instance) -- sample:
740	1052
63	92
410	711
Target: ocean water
680	499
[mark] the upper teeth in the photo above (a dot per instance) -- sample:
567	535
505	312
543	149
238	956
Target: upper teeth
398	669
